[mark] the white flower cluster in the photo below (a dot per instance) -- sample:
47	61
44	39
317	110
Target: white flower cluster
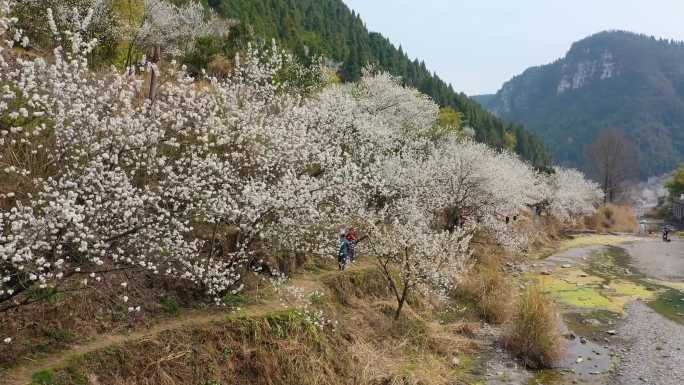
175	28
571	196
191	186
316	318
209	177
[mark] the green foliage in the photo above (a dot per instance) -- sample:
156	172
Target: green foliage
283	324
60	335
44	377
226	353
234	300
50	294
449	120
317	298
76	377
170	305
675	186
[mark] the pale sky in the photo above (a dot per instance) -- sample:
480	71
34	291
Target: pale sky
479	44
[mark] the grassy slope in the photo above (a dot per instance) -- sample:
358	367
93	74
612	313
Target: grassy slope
271	342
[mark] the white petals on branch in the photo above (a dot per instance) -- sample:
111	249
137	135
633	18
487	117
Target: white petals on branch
217	174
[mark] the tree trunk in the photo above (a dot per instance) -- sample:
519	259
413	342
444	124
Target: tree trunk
156	57
401	302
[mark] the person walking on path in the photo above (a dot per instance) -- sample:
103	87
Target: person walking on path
343	251
353	239
666	233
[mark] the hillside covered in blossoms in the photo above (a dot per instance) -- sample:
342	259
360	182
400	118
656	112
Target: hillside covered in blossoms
128	192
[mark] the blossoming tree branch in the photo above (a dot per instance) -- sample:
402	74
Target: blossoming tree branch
197	178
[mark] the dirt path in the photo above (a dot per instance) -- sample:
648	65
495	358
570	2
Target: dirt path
657	259
22	374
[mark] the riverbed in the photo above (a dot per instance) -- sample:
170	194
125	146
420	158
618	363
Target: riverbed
622	307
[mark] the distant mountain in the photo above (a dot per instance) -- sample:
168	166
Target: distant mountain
329	28
631	82
484	99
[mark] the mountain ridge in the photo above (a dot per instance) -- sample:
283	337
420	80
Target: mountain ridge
617	79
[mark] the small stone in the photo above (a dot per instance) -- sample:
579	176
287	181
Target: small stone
593	322
611	332
584	275
583	340
605	287
455	361
579	360
566	266
545	272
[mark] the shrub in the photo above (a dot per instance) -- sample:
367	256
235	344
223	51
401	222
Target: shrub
613	217
534	335
489	290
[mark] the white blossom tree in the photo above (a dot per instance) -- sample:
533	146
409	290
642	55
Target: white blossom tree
413	255
197	185
571	195
166	29
210	177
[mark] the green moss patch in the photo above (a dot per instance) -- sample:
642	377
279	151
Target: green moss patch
595	240
576	288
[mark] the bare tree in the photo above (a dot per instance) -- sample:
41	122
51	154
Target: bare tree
613	160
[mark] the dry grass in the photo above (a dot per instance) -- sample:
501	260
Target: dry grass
613	218
60	320
280	348
366	346
489	289
534	334
357	284
220	66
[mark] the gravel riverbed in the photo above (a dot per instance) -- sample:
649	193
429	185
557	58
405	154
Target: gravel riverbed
652	353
